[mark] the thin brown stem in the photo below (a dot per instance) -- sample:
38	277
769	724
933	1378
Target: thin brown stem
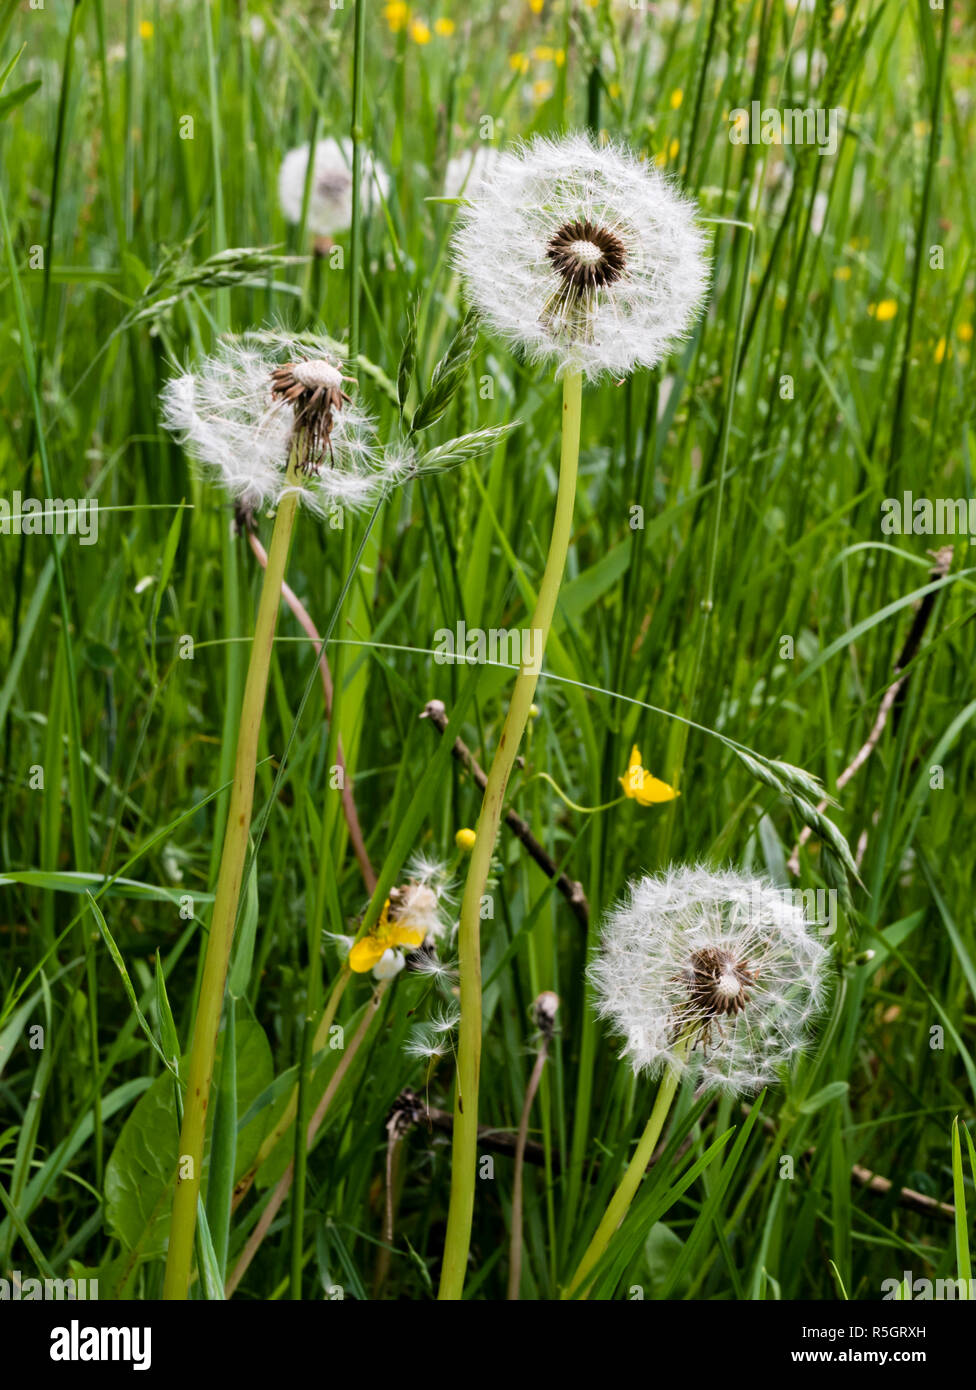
572	891
515	1259
314	1124
348	800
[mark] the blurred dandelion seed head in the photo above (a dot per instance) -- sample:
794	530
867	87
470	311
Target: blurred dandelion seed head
582	256
330	193
725	960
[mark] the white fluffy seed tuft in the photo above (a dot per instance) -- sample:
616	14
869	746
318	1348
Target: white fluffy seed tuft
502	248
728	960
222	411
330	194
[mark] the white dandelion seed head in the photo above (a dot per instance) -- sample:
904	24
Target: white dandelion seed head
417	904
582	256
729	960
390	963
467	170
226	415
330	195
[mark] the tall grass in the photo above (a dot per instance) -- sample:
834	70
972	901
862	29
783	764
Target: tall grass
728	582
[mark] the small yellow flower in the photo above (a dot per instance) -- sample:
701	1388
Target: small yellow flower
885	311
560	57
385	936
396	13
940	350
661	159
419	31
536	6
544	53
519	62
640	786
146	30
464	840
965	332
673	149
541	90
677	97
843	272
444	27
614	90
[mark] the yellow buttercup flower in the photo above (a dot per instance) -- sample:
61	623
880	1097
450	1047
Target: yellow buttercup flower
677	97
640	786
940	350
536	6
444	27
519	62
146	30
419	31
464	839
399	925
396	14
965	332
843	272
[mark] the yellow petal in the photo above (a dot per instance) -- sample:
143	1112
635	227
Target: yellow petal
366	952
653	791
405	935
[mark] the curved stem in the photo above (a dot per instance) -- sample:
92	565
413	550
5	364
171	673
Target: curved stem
348	800
224	917
285	1181
465	1151
631	1181
515	1244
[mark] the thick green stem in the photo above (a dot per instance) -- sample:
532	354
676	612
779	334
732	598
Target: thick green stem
465	1151
631	1181
222	922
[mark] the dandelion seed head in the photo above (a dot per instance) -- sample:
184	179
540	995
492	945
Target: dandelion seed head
582	256
330	195
238	411
725	961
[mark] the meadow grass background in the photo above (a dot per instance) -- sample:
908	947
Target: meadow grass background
761	510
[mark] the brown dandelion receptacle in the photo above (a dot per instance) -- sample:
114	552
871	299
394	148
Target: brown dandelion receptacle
314	391
718	987
588	258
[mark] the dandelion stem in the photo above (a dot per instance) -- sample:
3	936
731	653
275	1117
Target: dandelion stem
465	1150
221	937
631	1181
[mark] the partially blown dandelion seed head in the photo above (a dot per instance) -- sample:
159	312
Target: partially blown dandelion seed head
330	194
582	256
713	971
239	411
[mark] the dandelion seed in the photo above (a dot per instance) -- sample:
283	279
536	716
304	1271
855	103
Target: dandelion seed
582	256
713	971
239	412
330	195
